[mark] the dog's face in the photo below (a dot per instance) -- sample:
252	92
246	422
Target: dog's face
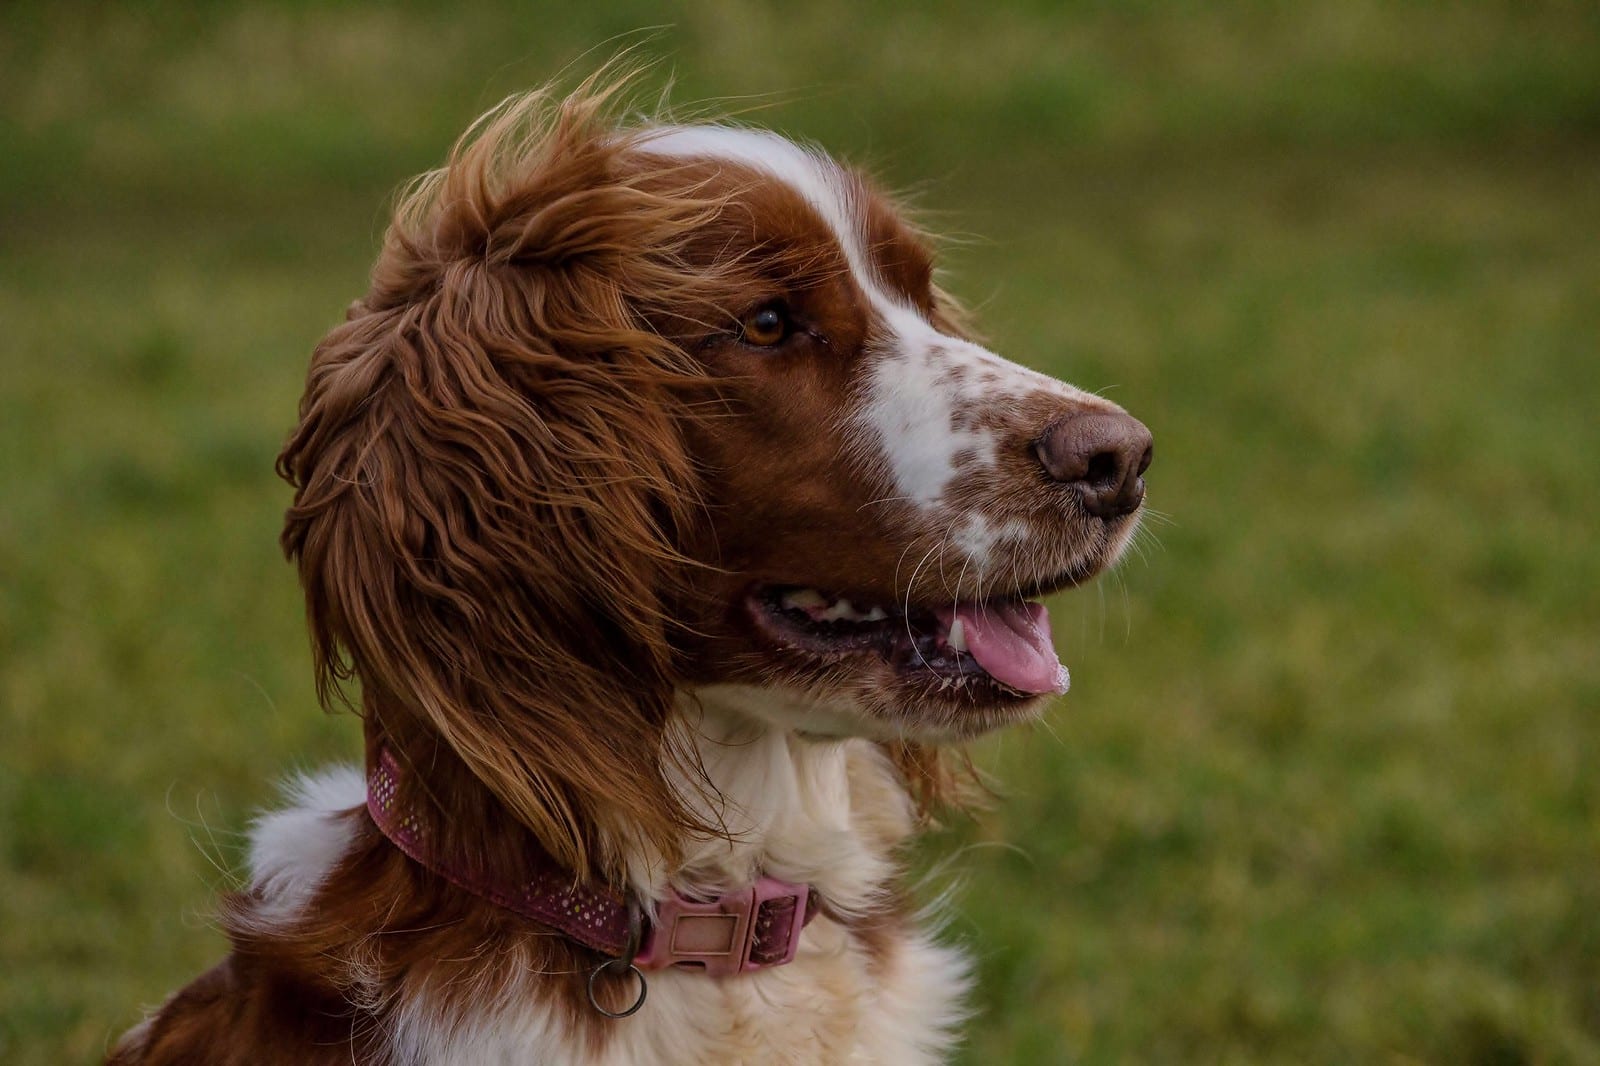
629	413
885	497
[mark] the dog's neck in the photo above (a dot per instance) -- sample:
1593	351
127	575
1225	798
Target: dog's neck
824	811
827	812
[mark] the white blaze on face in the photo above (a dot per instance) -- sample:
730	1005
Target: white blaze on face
911	405
920	387
921	381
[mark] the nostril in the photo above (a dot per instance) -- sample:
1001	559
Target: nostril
1103	469
1101	456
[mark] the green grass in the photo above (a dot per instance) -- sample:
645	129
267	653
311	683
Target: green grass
1324	789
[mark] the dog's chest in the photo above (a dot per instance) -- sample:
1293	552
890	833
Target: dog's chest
836	1003
833	1004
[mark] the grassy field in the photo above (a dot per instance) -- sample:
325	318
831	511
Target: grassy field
1325	790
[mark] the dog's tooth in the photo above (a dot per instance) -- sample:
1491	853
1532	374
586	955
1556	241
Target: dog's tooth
804	599
822	609
842	608
958	636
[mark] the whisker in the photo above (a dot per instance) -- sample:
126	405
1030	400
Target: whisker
1151	514
881	499
909	586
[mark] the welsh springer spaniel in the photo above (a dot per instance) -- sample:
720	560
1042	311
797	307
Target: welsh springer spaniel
668	518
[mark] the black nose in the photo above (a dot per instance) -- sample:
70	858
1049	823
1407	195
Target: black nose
1101	455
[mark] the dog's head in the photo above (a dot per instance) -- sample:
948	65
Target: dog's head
629	413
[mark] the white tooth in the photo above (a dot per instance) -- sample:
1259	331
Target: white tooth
958	636
804	599
877	614
841	609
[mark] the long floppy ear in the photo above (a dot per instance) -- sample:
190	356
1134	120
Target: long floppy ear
493	486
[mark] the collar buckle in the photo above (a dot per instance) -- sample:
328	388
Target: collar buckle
738	932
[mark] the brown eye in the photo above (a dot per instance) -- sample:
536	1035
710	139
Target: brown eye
764	327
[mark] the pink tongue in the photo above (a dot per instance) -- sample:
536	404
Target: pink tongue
1012	642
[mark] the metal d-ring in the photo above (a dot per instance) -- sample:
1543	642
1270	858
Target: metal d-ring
633	1008
622	964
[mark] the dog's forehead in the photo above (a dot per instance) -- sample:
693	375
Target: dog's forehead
838	198
815	177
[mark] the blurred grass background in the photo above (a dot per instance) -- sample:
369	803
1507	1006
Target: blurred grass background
1323	791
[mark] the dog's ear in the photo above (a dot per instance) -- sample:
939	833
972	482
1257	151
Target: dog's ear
493	485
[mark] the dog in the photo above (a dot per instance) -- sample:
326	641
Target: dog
674	530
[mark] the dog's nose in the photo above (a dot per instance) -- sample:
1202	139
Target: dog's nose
1102	455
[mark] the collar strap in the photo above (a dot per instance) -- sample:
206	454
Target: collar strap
748	929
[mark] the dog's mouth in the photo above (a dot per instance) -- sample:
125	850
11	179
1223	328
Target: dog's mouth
996	650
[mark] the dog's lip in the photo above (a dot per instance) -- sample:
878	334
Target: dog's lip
830	623
923	643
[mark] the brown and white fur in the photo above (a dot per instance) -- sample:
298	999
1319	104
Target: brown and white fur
548	473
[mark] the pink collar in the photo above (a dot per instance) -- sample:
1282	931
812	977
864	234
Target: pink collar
742	931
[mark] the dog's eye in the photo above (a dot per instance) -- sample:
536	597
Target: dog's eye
765	326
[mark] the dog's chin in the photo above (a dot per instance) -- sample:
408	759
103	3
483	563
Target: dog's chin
821	711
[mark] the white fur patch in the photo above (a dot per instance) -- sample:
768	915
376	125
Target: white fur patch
912	410
292	850
922	1001
786	802
824	1007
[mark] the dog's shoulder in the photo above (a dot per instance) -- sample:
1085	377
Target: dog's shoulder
238	1013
